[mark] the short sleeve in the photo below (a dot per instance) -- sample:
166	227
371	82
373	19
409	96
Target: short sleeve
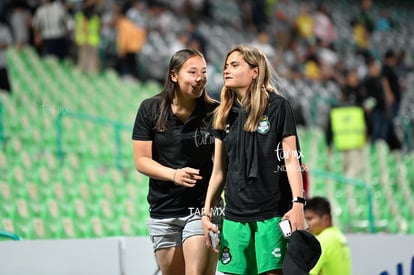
217	133
287	120
144	121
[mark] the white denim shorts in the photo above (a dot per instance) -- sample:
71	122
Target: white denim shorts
173	232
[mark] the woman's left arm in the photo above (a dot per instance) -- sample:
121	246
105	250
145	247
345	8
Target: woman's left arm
293	169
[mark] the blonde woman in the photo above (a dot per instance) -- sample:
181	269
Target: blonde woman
257	163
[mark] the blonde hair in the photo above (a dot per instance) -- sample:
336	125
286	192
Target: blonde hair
256	98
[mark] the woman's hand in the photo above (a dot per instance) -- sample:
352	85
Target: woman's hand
296	217
186	176
208	227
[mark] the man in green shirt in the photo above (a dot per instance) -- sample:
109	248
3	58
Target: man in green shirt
336	256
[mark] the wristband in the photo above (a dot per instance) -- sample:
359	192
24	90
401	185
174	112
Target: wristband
299	200
175	172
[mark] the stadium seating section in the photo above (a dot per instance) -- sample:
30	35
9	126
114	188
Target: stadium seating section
66	163
85	193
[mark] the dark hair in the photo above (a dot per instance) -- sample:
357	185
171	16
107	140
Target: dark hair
319	205
389	53
167	92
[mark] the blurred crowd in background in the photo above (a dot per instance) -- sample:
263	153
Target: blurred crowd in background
359	52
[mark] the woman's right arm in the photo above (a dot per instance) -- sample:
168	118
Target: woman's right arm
146	165
215	187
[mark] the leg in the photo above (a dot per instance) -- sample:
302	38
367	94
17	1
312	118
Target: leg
133	65
94	60
237	250
166	237
170	260
270	247
82	57
198	258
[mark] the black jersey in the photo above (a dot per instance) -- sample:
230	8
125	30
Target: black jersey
256	174
180	145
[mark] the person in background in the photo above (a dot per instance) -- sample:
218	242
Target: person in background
6	41
403	69
336	256
129	42
196	37
263	43
351	90
348	128
304	24
374	102
137	12
365	15
20	22
87	37
393	94
51	29
257	161
173	146
324	27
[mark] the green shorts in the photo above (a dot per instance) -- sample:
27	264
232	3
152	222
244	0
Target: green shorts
251	247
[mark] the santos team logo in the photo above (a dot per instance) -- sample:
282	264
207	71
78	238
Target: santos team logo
226	256
264	125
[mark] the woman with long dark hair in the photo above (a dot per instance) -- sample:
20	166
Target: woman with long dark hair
173	147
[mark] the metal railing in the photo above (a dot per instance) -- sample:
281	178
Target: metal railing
117	127
407	132
2	136
9	235
356	182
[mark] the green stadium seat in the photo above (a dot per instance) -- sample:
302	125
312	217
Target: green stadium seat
382	226
44	174
411	227
14	146
7	224
42	229
35	196
82	192
22	210
129	227
6	192
81	211
4	162
59	191
72	161
359	226
71	229
129	208
105	210
96	228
